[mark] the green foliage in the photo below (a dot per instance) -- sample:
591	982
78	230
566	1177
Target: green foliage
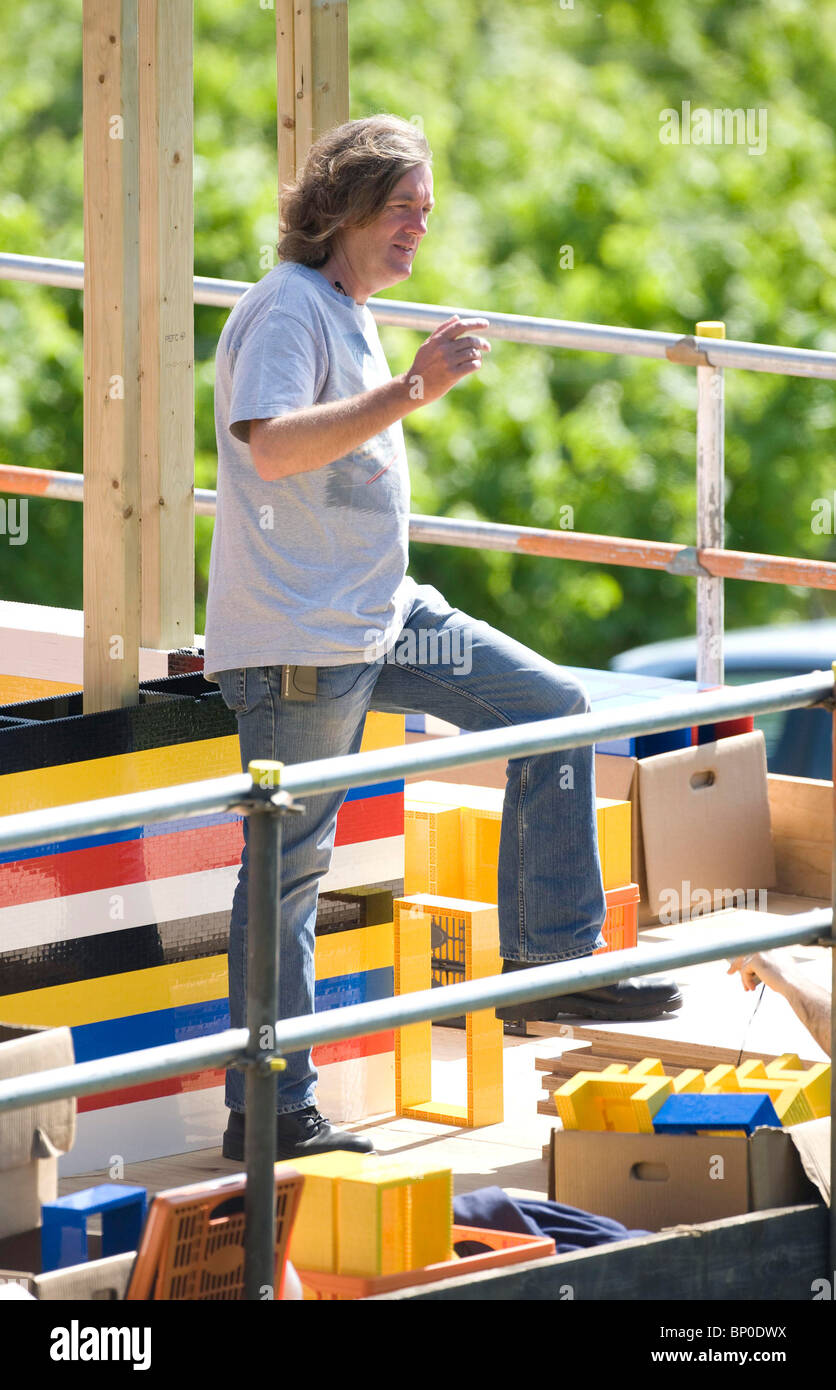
544	119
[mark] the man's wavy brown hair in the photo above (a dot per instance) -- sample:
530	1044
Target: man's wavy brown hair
345	181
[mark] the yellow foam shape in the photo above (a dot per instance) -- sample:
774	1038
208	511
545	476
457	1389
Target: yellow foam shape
615	1101
814	1081
689	1080
313	1241
791	1104
722	1078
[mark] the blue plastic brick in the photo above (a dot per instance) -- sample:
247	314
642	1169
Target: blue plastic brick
692	1112
122	1208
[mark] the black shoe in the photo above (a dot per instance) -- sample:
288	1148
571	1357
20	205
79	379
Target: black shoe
649	996
298	1135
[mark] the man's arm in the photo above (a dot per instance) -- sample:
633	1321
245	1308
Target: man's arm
304	440
810	1002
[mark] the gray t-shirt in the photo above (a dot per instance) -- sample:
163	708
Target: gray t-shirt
307	570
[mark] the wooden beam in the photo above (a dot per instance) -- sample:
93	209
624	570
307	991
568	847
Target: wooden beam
111	354
312	77
166	238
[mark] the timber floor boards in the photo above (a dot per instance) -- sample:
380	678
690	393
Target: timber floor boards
716	1011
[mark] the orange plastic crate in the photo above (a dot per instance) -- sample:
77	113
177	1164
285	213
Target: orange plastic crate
620	928
506	1248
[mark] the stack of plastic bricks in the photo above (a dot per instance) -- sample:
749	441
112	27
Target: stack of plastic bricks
123	937
364	1215
644	1099
452	848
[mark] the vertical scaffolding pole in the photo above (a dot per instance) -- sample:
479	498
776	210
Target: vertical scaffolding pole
710	511
264	851
264	847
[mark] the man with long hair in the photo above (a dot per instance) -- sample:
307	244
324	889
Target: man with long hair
309	595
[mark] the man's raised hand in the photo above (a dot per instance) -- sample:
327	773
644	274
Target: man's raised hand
451	352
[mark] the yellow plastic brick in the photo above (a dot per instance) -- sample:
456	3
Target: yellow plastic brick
791	1104
432	848
814	1081
372	1227
413	1043
313	1239
614	841
618	1098
476	924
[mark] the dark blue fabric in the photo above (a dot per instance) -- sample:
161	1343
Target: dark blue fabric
569	1227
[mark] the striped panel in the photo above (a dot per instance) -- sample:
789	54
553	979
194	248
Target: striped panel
114	952
170	1124
362	948
92	914
165	988
151	768
152	1090
351	1049
126	861
30	925
94	778
13	689
156	1028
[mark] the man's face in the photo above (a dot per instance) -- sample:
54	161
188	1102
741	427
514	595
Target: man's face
382	253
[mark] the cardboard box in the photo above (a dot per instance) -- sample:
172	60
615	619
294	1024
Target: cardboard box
32	1138
650	1181
701	827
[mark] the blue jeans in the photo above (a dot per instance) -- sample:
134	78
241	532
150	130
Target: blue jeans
550	888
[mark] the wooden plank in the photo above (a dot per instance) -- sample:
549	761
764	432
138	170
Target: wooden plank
111	354
311	77
286	94
166	239
329	39
768	1256
628	1045
303	77
800	808
801	812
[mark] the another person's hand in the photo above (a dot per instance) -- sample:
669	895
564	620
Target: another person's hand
450	353
759	967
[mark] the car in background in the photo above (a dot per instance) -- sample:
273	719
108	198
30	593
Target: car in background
799	742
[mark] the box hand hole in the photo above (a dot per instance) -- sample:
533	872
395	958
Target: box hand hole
650	1172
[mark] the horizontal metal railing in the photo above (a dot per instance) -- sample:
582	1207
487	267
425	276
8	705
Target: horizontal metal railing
516	328
30	828
382	1015
520	540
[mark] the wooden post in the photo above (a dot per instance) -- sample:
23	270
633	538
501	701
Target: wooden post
166	239
138	340
111	354
312	76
